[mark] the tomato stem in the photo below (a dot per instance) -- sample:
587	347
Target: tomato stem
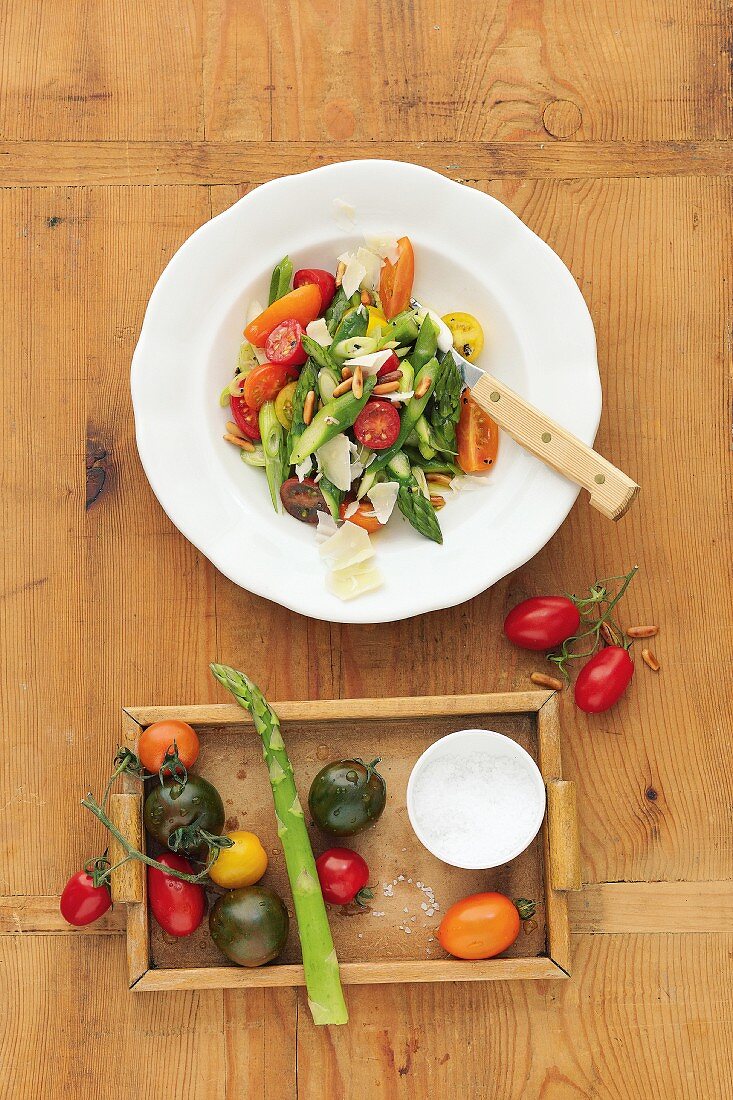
595	601
525	908
365	894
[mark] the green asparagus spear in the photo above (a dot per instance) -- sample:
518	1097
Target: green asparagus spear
332	495
426	344
273	443
445	410
321	356
280	281
414	506
354	324
323	983
334	418
335	312
307	381
424	438
403	328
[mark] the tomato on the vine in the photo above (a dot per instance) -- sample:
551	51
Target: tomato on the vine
177	906
156	740
343	875
604	679
82	902
482	925
324	280
542	622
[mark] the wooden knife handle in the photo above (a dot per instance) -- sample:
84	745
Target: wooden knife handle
127	882
611	491
562	823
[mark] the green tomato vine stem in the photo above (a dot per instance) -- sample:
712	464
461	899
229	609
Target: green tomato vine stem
597	600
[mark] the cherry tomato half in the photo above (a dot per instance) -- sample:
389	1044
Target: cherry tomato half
362	517
155	741
377	425
605	678
265	382
395	280
177	906
283	345
479	926
302	500
245	418
343	874
542	622
82	902
302	304
478	437
390	365
324	280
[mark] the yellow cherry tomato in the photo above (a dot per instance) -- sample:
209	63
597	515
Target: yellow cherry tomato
243	864
376	320
468	336
284	405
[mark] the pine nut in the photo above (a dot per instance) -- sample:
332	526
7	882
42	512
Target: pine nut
393	376
437	502
366	298
545	681
347	372
343	387
234	430
423	386
642	631
650	660
309	406
243	443
439	479
357	383
386	387
340	272
608	635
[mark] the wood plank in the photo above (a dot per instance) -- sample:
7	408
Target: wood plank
36	915
219	714
642	1016
75	70
167	163
620	907
503	71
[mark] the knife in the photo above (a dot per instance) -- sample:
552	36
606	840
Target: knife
611	491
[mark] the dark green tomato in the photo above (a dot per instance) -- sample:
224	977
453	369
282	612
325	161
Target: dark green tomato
195	806
347	796
249	925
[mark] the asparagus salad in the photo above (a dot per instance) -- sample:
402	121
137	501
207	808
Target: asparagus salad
351	402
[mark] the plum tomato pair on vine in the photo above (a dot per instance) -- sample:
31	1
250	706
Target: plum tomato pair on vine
82	902
343	875
604	679
542	622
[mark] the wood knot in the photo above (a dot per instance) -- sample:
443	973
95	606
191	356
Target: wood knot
99	466
562	118
651	794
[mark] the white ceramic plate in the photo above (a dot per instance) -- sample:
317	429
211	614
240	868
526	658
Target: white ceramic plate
472	254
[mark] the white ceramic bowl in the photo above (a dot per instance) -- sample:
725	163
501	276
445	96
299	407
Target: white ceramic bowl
472	254
475	799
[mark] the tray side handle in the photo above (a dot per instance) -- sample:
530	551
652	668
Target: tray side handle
562	819
127	882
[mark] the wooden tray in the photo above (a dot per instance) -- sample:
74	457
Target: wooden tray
373	947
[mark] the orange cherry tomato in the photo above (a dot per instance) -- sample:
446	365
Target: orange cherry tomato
302	305
264	383
478	437
370	523
480	926
157	739
395	281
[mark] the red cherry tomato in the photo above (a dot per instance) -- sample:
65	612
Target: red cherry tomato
605	678
302	500
377	425
390	365
245	418
155	741
343	874
324	280
542	622
265	382
82	902
283	345
177	906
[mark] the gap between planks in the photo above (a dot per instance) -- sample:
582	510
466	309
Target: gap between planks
606	908
168	163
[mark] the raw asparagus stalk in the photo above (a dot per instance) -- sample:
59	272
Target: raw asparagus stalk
323	983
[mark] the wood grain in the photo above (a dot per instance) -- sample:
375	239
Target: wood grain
606	126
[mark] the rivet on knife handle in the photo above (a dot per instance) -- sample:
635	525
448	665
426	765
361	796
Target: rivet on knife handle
611	491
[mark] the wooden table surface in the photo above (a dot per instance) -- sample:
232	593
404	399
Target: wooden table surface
605	125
